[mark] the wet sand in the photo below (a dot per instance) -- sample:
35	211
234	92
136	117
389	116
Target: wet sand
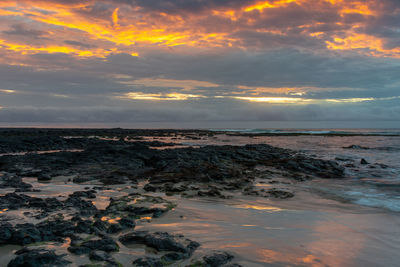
304	231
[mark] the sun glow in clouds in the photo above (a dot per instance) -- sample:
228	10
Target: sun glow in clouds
159	97
28	49
7	91
274	100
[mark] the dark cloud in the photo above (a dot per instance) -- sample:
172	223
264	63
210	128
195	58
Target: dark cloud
24	30
182	6
80	44
370	77
203	111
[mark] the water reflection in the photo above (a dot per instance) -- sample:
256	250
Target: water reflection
110	219
40	152
263	208
3	210
284	234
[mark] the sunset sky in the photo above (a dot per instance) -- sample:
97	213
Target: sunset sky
200	61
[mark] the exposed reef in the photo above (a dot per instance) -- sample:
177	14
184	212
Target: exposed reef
121	158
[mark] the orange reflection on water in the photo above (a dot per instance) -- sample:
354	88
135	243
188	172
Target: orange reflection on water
271	256
236	245
337	243
110	220
263	208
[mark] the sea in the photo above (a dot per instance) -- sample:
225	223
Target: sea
376	184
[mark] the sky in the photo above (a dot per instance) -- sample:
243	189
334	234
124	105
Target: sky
199	62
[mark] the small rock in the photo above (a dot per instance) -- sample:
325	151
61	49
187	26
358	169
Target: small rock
217	259
44	177
148	262
98	255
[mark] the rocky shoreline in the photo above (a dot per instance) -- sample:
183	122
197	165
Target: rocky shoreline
104	159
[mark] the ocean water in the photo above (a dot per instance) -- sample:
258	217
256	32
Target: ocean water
376	184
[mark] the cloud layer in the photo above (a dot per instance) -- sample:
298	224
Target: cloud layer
192	60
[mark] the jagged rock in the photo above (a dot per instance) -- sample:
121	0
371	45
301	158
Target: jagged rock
8	180
37	258
161	241
148	262
355	147
105	244
278	193
217	258
99	255
86	194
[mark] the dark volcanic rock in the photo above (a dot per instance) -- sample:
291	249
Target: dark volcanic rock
278	193
355	147
105	244
24	234
6	231
125	208
161	241
99	255
87	194
37	258
217	258
44	177
85	207
53	230
118	162
14	201
172	257
8	180
27	233
148	262
79	250
364	162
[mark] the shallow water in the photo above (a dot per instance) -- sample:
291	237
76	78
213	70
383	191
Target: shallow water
305	231
369	185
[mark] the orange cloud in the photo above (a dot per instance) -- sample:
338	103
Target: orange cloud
373	45
115	17
269	4
128	29
27	49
